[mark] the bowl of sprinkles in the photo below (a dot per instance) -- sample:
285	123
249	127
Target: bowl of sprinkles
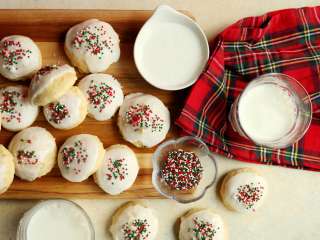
183	169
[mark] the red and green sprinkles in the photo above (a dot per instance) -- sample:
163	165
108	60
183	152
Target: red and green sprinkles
58	112
203	230
249	194
117	170
141	116
181	170
100	95
138	229
27	157
12	53
76	153
10	100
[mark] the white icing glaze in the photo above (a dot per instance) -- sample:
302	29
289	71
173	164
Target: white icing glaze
202	224
34	151
144	131
105	40
103	93
239	197
68	111
80	156
118	171
19	57
16	110
130	215
6	169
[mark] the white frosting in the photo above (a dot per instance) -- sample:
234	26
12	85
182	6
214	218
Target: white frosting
103	93
202	224
245	191
118	171
146	129
103	37
16	110
127	220
68	111
80	156
19	57
34	151
6	169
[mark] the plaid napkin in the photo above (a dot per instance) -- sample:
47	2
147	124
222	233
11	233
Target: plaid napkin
285	41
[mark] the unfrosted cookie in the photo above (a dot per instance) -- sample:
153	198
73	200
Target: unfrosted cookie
143	120
118	171
134	221
243	190
20	57
50	83
80	156
34	151
201	225
6	169
16	110
92	46
103	93
68	111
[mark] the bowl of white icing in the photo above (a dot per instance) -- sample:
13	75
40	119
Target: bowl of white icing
170	50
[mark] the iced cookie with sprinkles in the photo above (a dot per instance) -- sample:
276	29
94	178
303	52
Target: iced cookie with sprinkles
92	46
80	156
20	57
134	221
104	95
143	120
243	190
68	111
50	83
17	112
118	170
6	169
201	224
34	150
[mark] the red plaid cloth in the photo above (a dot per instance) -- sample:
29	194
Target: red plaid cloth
285	41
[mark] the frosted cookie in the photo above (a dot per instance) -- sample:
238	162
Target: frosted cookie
6	169
134	221
20	57
243	190
92	46
34	151
143	120
16	110
118	171
50	83
68	111
201	224
80	156
104	95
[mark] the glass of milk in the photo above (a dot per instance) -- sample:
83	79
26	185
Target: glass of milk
274	110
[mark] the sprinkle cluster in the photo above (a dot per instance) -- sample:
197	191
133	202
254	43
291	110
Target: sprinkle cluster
76	153
100	95
58	112
10	100
117	169
203	230
181	170
26	156
12	53
248	195
44	71
138	229
141	116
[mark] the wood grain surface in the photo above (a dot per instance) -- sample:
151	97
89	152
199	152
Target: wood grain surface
48	28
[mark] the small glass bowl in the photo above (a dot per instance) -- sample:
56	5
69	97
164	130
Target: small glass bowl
191	144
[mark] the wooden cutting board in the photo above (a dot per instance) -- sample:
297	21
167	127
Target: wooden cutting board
48	28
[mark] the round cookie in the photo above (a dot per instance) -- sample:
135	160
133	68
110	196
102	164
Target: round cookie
34	150
80	156
20	57
143	120
243	190
92	46
104	95
134	221
118	171
16	110
50	83
201	224
6	169
68	111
